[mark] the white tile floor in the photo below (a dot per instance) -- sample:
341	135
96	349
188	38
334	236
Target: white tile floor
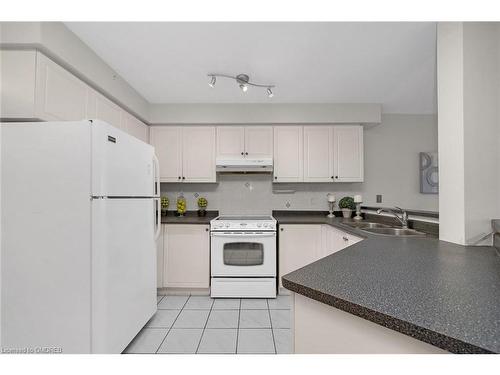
200	324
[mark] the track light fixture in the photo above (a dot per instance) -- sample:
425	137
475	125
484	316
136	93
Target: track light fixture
243	81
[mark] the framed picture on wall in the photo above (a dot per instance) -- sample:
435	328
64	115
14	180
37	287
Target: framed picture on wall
429	173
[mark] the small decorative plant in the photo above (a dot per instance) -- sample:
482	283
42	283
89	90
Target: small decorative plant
164	205
347	205
202	206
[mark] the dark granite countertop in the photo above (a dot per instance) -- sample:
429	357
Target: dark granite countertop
438	292
190	217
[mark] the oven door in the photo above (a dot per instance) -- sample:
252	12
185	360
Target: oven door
243	254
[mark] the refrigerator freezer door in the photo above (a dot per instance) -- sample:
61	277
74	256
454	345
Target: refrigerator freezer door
122	165
124	271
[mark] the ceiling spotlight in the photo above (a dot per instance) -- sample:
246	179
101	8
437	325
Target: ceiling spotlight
243	81
212	82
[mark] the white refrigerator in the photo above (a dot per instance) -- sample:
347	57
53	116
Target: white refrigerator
79	218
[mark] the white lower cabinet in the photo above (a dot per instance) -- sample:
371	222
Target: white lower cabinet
299	245
334	240
302	244
186	249
160	258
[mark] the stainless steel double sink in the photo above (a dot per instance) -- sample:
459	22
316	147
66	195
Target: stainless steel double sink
384	229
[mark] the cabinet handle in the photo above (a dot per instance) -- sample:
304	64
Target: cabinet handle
332	177
246	153
206	229
275	177
281	229
345	238
179	177
183	177
242	153
336	177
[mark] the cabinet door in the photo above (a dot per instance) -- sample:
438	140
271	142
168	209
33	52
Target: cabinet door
101	108
348	153
198	154
259	142
335	240
288	154
160	259
135	127
168	148
299	245
187	254
318	154
60	96
230	142
17	86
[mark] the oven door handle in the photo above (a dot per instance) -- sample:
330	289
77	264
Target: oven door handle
248	235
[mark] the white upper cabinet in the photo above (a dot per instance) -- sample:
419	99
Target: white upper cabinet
35	87
17	84
348	153
168	148
318	154
186	154
230	142
288	154
100	107
259	142
198	154
237	142
59	94
135	127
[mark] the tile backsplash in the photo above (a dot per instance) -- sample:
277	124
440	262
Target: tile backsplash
256	194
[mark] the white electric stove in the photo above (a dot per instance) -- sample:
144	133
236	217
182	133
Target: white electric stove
243	257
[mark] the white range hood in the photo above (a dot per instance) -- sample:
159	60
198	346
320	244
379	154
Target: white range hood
247	165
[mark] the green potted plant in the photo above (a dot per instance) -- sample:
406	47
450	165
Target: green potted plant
202	206
347	205
164	205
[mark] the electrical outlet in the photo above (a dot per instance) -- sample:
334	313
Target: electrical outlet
379	198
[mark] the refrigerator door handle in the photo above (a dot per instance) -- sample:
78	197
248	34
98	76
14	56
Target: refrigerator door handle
157	176
158	218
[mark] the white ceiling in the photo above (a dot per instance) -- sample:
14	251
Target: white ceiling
389	63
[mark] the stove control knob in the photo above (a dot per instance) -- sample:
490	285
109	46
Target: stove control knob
259	225
227	225
266	225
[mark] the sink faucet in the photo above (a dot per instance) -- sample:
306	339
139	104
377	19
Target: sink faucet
403	219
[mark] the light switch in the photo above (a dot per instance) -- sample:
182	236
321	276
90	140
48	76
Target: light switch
379	198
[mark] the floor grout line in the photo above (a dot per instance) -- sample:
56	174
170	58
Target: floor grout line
238	329
168	331
271	321
204	328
